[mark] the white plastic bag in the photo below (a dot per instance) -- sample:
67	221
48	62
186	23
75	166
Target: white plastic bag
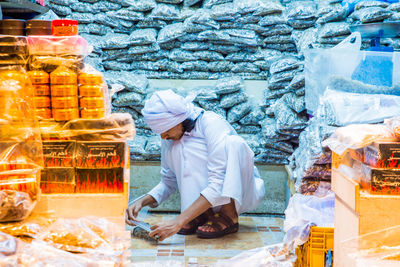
357	136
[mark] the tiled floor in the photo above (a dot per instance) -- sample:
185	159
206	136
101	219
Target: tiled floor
254	231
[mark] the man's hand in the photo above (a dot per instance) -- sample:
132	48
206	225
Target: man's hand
133	210
165	229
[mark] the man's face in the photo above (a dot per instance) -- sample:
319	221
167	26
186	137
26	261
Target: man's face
175	133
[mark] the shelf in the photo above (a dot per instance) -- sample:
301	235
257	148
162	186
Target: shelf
21	6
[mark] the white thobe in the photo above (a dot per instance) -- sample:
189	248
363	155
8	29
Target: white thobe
212	161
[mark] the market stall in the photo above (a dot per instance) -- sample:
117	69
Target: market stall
64	158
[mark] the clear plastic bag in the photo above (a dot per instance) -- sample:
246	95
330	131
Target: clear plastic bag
143	36
116	126
276	255
318	210
346	108
87	235
357	136
20	146
380	249
170	32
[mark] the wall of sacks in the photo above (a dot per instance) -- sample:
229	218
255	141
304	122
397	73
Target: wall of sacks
137	40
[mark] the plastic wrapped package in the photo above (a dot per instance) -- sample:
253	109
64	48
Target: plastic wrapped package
380	249
317	209
394	125
277	255
30	227
165	12
170	32
342	108
116	126
20	146
87	235
94	102
49	52
38	254
357	136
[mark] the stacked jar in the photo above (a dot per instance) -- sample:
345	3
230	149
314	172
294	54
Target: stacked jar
40	82
64	94
91	95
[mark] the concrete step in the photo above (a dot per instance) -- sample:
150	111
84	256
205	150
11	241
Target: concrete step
145	175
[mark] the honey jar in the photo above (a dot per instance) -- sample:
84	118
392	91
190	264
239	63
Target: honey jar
90	78
64	27
65	114
91	102
43	113
42	101
91	90
64	90
64	102
13	80
41	89
92	113
63	75
39	77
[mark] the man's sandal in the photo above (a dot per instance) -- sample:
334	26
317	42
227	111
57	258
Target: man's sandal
196	222
217	222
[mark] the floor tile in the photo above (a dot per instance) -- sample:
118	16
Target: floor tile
238	241
254	231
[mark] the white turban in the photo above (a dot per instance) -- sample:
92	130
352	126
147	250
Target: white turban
165	109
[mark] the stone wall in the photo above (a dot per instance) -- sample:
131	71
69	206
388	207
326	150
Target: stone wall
136	40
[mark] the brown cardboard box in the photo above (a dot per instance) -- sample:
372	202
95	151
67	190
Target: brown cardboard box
101	154
59	153
58	180
100	180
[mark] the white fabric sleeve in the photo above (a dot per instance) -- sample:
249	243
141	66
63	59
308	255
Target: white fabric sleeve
168	184
215	131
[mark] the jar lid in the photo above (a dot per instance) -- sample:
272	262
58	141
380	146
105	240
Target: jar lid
38	23
64	22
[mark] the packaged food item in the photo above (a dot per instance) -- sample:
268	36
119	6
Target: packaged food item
41	89
15	205
59	153
101	154
42	101
64	90
15	27
90	78
43	113
91	102
105	180
64	102
91	90
380	181
382	155
65	114
64	27
63	75
39	77
92	113
14	45
58	180
38	27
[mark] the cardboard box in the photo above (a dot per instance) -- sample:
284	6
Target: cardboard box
382	155
101	154
380	181
58	180
100	180
59	153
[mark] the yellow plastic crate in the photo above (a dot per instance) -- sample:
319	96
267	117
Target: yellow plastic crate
312	253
